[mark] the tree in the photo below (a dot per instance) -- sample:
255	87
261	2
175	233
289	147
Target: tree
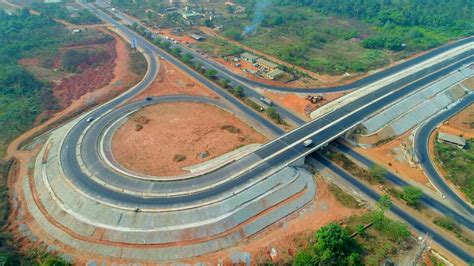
176	51
233	34
238	91
412	195
211	73
303	258
273	114
334	247
383	204
208	23
360	229
187	57
166	45
377	173
224	83
230	9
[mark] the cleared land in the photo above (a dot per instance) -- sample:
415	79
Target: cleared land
396	156
162	139
171	80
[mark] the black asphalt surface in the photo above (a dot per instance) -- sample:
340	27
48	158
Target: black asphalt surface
419	226
421	149
425	200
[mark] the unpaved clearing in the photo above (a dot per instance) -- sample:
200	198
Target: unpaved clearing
171	80
461	123
396	157
162	139
298	103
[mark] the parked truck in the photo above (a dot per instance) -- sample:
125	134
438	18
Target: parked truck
266	101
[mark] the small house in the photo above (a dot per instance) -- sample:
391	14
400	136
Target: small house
270	66
249	57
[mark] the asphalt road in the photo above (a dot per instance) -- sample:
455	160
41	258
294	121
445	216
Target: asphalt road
266	159
421	150
405	216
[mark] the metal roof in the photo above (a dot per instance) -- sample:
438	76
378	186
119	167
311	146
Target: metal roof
452	139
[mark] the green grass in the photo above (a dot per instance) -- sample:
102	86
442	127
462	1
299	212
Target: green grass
344	198
138	63
347	164
459	165
314	41
450	224
335	57
219	47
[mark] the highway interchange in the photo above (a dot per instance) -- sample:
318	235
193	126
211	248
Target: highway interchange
126	190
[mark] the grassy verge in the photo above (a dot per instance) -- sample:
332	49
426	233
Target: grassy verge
219	47
344	198
375	174
451	225
138	64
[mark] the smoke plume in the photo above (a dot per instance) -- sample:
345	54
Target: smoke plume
258	15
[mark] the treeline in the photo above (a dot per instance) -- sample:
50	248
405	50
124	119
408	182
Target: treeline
21	94
406	24
59	11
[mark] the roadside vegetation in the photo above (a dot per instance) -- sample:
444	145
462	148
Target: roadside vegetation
219	47
59	11
138	64
366	239
344	198
459	166
451	225
375	174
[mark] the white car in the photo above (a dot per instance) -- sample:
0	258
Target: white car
90	119
307	142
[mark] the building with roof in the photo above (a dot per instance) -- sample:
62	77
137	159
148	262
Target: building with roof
274	74
197	37
249	57
460	142
266	64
